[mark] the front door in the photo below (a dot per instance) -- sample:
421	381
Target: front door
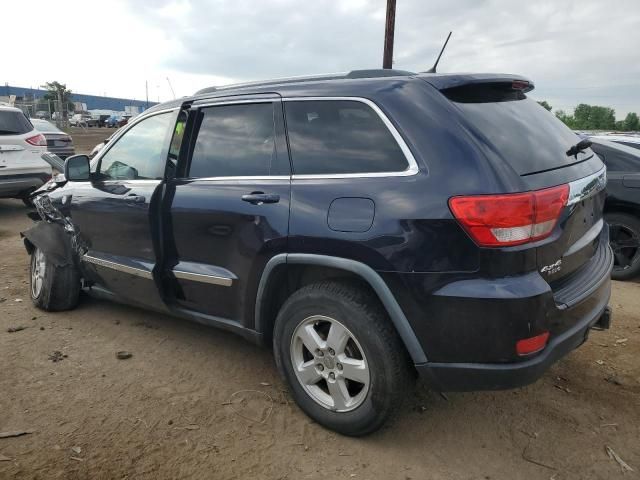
229	207
115	212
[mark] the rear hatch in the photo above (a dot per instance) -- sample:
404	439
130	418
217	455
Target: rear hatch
17	155
528	145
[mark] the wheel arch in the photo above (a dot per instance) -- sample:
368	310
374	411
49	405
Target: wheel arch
52	240
275	272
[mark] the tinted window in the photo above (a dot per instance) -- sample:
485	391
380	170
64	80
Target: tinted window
14	123
340	136
617	160
138	153
515	128
235	140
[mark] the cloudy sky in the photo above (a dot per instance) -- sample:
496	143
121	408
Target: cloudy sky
575	51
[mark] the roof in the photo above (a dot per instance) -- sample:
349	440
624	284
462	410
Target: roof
354	74
6	106
617	137
357	83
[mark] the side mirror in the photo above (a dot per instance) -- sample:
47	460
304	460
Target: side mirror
76	168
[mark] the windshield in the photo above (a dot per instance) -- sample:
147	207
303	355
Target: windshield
14	123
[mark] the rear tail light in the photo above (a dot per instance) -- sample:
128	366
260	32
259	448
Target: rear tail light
510	219
527	346
37	140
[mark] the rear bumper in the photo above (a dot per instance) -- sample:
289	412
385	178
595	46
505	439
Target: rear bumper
16	185
593	312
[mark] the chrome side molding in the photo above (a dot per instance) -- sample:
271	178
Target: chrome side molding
200	277
138	272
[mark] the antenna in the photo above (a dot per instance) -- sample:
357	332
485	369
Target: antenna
172	92
433	69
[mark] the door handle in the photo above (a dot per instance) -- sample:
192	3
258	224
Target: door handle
258	198
134	199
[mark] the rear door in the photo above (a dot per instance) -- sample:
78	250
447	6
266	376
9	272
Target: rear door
228	206
115	213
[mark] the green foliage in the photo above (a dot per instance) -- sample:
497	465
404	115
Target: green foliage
546	105
53	88
631	122
595	117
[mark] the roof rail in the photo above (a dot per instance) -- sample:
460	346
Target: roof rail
353	74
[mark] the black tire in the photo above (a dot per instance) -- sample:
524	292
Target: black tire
60	285
624	229
27	202
388	364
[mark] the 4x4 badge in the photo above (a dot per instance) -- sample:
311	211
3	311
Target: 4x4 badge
553	268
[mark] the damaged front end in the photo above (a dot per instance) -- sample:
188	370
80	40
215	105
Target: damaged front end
54	233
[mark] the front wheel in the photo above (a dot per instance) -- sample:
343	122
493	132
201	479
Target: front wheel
345	365
624	238
52	287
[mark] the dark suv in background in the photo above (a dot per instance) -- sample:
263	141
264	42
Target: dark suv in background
622	208
366	225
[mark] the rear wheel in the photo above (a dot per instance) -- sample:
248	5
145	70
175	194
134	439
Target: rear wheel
53	287
345	365
624	238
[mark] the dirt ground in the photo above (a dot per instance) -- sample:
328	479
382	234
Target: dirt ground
195	403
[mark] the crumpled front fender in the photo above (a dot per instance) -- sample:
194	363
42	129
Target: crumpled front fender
52	240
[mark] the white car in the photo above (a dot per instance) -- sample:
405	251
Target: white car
21	168
628	140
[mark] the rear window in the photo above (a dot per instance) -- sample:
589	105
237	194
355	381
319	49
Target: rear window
516	128
340	137
14	123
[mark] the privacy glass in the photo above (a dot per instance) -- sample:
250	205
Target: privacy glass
525	135
138	153
339	137
235	141
14	123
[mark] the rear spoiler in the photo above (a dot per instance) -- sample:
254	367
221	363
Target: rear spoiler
448	81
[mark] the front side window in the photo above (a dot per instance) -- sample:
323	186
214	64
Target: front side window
138	153
340	137
235	140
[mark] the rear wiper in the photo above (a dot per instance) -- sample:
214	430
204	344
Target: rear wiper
579	148
9	132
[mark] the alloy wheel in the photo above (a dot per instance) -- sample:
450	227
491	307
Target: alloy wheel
38	267
329	363
625	244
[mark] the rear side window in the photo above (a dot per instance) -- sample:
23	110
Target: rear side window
617	160
14	123
340	137
235	141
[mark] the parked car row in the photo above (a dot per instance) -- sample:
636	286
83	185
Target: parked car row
21	145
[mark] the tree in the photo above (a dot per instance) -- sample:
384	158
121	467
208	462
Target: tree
546	105
54	91
631	122
568	120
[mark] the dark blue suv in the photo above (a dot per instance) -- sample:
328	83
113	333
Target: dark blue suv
368	226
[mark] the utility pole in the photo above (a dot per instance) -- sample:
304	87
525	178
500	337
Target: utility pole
387	60
146	89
